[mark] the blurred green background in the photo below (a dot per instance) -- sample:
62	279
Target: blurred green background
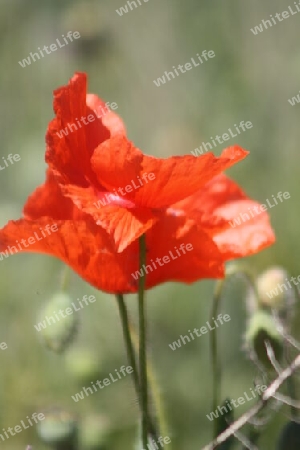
251	78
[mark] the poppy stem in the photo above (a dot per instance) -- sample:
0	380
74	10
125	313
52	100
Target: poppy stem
132	345
216	370
142	342
128	341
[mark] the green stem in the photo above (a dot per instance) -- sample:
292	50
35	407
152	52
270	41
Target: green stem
216	369
158	403
128	341
128	332
142	342
162	426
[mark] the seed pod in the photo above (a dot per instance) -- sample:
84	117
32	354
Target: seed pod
58	429
289	438
59	328
261	328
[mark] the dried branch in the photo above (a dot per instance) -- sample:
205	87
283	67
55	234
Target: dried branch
272	358
269	393
287	337
245	441
287	400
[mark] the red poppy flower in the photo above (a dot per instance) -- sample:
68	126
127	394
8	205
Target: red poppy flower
101	194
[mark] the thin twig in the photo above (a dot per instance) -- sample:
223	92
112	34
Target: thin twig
245	441
269	393
287	400
285	335
272	358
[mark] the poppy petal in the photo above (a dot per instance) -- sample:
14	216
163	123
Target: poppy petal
82	122
66	141
104	116
166	238
124	225
117	163
48	200
219	207
84	246
88	250
249	236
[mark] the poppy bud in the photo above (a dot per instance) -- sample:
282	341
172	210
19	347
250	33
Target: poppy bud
60	327
82	364
289	438
261	328
58	429
275	288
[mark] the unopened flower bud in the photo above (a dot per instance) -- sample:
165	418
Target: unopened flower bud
60	327
261	329
289	438
58	429
273	287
